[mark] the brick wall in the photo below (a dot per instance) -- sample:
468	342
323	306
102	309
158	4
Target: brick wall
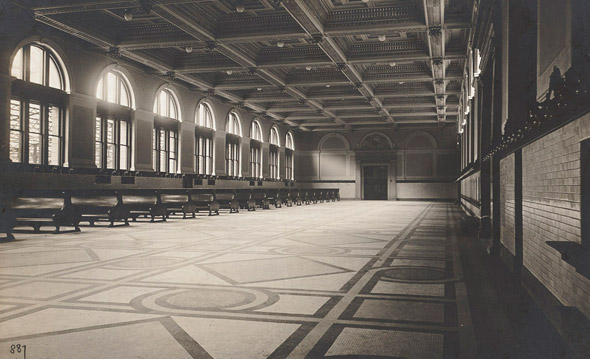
507	233
551	211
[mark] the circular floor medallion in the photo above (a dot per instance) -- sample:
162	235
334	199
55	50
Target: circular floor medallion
200	299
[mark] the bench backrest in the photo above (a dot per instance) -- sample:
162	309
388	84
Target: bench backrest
202	197
259	195
139	200
173	198
243	196
37	203
224	196
95	201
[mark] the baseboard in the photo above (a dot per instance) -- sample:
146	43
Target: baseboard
508	258
569	322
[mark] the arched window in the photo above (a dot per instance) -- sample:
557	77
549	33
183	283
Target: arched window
204	140
166	104
289	149
165	134
232	150
112	136
37	114
273	160
256	149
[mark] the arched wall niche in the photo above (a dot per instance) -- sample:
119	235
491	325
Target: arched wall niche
420	140
376	141
334	142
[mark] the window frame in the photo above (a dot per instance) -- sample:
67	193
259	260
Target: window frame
168	150
204	137
27	93
273	156
117	143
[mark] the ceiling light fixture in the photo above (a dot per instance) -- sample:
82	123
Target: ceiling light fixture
392	64
229	72
365	1
308	68
401	82
259	89
188	49
128	16
327	85
240	7
280	43
382	37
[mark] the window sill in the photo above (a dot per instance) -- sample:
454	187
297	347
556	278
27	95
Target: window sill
574	254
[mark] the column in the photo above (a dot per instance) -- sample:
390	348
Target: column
80	130
5	94
187	147
219	153
265	160
143	126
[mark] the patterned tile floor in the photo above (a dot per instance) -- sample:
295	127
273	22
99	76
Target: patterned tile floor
338	280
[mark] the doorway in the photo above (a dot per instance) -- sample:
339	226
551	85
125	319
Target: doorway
375	182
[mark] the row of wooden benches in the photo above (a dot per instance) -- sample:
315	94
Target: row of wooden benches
69	208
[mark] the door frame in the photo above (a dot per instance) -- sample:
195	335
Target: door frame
375	164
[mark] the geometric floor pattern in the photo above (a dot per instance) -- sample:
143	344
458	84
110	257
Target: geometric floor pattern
351	279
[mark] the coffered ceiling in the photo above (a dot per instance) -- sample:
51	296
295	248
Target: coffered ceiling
317	65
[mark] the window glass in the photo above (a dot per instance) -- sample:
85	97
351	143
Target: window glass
36	65
54	75
17	65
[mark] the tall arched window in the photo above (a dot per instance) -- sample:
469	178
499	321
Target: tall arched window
165	134
37	113
232	149
289	149
256	149
112	138
204	140
275	143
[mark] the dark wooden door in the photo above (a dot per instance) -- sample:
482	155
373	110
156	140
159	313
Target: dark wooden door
375	182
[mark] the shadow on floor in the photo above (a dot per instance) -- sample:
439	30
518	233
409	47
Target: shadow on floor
507	322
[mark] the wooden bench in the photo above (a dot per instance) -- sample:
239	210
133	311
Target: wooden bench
316	195
245	200
146	204
286	197
7	218
204	200
296	195
306	196
330	195
274	197
260	198
40	210
227	200
178	202
94	207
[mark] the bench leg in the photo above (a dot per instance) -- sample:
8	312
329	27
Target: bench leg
77	228
57	227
